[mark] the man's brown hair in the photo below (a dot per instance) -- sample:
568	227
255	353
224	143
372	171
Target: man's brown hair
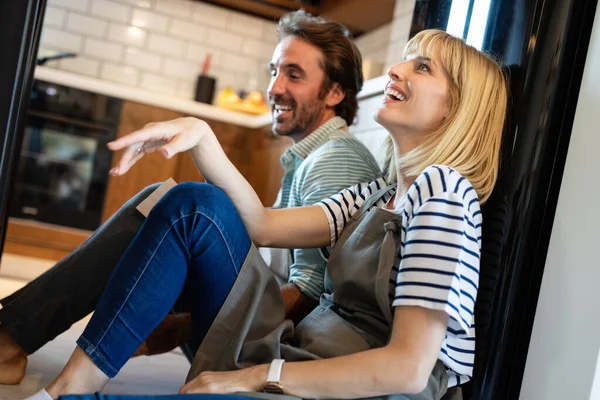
342	61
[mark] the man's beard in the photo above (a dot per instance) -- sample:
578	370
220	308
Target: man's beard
302	119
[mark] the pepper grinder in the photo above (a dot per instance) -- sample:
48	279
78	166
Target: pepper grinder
205	86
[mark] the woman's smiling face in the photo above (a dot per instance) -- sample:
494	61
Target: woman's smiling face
417	97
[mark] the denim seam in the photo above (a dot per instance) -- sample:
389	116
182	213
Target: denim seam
91	350
223	234
94	348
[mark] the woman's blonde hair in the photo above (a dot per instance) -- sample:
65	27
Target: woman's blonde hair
469	138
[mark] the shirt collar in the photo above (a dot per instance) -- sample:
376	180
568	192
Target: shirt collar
306	146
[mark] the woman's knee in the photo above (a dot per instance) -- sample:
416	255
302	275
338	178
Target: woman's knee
188	197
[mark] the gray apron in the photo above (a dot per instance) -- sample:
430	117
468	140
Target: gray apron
354	315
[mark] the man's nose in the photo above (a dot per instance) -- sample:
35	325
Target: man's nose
276	86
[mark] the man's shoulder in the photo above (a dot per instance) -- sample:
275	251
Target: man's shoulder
342	148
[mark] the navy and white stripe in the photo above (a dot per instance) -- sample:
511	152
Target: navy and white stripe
438	261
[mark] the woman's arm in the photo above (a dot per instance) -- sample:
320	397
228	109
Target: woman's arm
403	366
304	227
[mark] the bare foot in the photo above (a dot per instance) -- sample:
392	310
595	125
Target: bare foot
79	376
9	349
13	360
12	371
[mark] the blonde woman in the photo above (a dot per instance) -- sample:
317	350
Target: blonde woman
402	276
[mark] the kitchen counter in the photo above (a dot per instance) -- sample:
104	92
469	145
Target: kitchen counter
187	107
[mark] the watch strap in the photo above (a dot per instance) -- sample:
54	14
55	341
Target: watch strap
274	374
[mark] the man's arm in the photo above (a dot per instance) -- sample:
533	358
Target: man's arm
297	304
328	170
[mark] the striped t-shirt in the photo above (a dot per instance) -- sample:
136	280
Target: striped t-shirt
438	260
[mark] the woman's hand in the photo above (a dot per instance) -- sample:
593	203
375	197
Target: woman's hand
245	380
169	138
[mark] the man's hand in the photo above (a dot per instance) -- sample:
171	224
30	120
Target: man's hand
172	332
244	380
297	304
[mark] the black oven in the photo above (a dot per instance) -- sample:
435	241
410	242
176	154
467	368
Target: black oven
62	172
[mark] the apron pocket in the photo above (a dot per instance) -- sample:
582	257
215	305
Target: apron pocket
325	334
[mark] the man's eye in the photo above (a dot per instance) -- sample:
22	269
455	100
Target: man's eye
294	77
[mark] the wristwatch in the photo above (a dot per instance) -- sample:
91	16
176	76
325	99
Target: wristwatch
273	383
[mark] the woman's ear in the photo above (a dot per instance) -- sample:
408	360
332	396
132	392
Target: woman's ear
335	95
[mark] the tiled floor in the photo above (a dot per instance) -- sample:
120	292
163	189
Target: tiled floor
162	374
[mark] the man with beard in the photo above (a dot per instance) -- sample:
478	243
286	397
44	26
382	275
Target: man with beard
316	74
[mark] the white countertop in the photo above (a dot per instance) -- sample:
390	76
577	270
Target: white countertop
188	107
193	108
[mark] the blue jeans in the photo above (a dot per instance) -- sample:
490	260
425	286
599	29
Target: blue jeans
192	244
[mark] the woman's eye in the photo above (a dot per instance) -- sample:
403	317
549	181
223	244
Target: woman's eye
423	67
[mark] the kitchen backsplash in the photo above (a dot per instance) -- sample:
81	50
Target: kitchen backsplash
159	45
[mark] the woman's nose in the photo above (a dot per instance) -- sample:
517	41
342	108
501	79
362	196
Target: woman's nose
396	72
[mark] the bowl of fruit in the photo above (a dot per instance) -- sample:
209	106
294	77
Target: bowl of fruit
253	103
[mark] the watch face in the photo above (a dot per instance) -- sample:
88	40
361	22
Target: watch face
273	387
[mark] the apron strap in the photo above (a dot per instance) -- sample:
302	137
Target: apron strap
372	200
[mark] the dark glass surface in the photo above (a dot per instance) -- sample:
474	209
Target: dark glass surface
62	173
68	102
542	46
20	29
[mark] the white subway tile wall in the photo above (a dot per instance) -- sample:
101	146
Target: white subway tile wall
245	25
120	74
176	8
206	14
86	25
111	11
176	68
225	40
77	5
149	20
374	45
165	45
61	40
103	50
140	3
131	35
187	31
55	17
141	60
159	83
403	13
198	52
81	65
159	45
186	89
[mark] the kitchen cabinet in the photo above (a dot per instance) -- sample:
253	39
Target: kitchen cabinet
255	151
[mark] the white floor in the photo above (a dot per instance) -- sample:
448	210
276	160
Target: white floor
162	374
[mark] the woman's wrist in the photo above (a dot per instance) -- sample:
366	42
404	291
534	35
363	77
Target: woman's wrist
260	377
